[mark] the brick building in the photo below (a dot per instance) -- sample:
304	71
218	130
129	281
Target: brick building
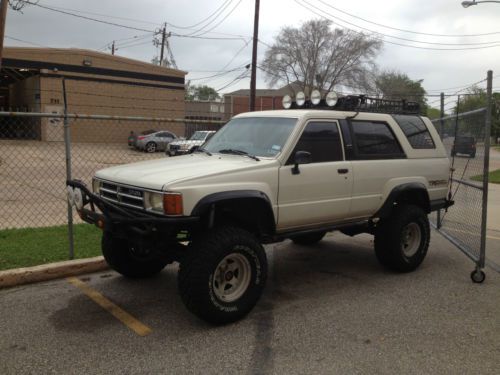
265	99
96	83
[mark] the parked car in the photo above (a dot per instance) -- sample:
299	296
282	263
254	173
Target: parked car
181	147
153	142
132	138
265	177
464	145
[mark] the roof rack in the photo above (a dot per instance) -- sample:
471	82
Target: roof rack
362	103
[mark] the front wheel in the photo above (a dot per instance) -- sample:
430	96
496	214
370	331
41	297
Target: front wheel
131	260
402	240
223	275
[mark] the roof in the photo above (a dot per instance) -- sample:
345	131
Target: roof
76	56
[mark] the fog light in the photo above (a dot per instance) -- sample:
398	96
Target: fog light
78	198
300	98
286	102
71	195
331	99
315	97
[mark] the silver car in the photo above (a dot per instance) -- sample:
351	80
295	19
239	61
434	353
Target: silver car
153	142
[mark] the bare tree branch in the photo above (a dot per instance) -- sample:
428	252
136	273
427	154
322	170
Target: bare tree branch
322	57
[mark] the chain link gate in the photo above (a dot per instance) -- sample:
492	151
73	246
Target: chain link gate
466	137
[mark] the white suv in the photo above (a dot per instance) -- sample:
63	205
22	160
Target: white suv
265	177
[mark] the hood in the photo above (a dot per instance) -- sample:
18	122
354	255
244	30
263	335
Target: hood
159	173
186	142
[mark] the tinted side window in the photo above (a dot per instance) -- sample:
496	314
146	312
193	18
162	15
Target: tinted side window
415	130
375	140
322	140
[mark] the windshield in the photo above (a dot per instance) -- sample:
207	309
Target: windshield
198	136
259	136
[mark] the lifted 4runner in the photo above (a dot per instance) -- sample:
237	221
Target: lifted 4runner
355	164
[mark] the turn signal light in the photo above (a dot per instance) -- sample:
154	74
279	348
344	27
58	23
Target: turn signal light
172	204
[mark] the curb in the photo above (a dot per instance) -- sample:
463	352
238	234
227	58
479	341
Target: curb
51	271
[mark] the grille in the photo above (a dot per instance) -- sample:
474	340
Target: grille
122	195
175	147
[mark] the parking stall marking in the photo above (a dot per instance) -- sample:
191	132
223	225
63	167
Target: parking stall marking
123	316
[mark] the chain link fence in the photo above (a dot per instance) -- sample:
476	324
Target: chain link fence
33	158
463	135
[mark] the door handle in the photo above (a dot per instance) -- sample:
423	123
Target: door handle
343	171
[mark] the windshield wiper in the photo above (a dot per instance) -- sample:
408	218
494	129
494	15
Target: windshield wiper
238	152
203	150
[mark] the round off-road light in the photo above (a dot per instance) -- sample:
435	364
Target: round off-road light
300	98
78	197
315	97
331	98
71	195
286	102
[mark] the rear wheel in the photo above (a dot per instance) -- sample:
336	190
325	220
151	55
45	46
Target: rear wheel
151	147
309	238
402	241
223	275
131	260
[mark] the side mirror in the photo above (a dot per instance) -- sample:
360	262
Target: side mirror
301	157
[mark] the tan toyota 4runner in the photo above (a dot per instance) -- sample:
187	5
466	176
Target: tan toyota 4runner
353	164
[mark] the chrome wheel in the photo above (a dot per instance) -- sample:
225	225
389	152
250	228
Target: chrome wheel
411	237
232	277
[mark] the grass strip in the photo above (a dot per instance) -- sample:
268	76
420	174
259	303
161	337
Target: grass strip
28	247
494	177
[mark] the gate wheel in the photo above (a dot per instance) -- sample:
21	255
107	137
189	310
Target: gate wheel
477	276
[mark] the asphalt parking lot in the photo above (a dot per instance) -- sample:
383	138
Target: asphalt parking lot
326	309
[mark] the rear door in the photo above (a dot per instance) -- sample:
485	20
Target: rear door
321	192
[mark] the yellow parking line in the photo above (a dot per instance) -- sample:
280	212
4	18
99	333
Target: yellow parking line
106	304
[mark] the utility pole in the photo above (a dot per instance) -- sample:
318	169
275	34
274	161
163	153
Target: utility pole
163	37
254	56
113	48
3	18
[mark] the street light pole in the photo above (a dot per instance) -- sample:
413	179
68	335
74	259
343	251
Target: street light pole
467	4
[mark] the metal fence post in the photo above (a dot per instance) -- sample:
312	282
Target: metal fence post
486	170
67	144
441	127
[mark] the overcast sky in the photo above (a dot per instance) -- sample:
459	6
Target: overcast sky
441	70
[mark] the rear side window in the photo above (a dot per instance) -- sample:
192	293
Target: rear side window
415	130
375	140
322	140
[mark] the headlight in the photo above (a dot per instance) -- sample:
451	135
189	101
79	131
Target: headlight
71	195
78	196
153	201
96	185
167	203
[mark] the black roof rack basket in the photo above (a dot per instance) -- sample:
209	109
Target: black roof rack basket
362	103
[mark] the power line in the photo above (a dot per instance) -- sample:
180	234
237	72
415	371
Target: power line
203	20
404	30
374	34
25	41
222	20
88	18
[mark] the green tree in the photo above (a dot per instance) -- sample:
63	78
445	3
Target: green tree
477	98
396	85
433	113
201	92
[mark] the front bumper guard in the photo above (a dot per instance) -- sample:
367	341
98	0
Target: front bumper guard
112	215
